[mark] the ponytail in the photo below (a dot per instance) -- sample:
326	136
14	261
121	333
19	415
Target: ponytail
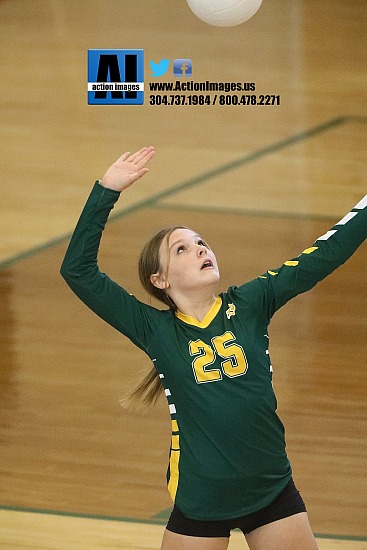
150	388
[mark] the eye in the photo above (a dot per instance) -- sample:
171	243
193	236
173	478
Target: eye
180	249
201	242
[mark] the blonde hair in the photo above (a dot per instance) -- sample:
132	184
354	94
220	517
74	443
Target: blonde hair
150	388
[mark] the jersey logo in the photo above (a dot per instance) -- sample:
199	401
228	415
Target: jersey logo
231	311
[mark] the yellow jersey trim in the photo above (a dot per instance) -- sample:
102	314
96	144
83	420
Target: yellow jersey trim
310	250
212	313
174	461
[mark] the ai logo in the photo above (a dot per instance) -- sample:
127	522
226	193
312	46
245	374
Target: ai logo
115	77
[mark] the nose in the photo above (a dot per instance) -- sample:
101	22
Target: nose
201	250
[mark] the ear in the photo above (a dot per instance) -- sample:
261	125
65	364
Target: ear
158	280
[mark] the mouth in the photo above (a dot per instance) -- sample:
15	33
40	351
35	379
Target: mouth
207	264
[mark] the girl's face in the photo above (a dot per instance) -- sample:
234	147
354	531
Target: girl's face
187	263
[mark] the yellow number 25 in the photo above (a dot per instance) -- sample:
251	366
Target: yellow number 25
234	358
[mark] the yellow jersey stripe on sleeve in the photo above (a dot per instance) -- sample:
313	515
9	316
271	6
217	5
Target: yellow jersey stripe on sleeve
310	250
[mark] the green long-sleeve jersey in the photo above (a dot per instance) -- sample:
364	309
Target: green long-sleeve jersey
227	455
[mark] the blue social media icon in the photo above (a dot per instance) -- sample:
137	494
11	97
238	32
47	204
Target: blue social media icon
159	69
182	67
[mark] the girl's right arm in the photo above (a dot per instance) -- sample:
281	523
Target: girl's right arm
106	298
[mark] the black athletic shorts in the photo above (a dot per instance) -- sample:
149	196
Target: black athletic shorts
288	503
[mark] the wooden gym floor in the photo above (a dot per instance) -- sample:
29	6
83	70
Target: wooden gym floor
260	183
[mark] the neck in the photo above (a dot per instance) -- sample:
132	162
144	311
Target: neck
196	308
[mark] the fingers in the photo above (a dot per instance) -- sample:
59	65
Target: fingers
142	156
142	172
139	158
123	157
146	156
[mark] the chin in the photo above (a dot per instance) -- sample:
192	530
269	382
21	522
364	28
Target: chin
214	279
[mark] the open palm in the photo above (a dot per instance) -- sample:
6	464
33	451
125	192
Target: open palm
127	169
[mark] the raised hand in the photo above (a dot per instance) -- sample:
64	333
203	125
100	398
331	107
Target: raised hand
127	169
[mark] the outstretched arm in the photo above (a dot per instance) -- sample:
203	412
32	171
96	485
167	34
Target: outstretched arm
80	268
273	289
315	263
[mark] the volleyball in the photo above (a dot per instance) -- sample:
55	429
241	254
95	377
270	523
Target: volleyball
224	13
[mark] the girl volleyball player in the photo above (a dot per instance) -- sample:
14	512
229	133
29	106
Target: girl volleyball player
228	466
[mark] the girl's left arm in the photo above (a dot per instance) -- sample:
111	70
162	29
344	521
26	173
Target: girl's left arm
317	261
